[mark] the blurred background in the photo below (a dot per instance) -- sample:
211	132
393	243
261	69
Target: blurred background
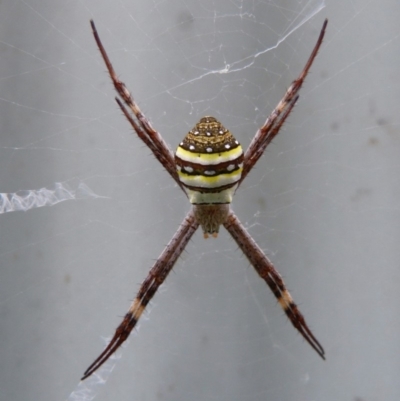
323	203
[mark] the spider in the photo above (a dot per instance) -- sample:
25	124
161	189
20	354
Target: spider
208	166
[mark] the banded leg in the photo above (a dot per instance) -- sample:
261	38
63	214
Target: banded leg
270	275
142	126
154	279
273	123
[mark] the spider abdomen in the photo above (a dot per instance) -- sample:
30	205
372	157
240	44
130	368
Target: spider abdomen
209	162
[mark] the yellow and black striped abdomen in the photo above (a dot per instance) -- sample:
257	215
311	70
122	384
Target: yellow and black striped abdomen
209	161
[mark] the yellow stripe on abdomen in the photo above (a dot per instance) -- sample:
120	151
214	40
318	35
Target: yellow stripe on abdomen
208	159
206	181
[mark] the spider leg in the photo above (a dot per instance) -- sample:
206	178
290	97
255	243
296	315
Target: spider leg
142	126
154	279
275	121
270	275
274	130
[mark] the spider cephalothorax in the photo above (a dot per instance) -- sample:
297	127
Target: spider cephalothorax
208	166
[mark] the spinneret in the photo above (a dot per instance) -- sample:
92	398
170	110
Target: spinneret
209	162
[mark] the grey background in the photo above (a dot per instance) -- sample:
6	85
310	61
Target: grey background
323	203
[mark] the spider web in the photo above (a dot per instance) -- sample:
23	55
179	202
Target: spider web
323	203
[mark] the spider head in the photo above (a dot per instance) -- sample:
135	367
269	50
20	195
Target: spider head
209	161
210	217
